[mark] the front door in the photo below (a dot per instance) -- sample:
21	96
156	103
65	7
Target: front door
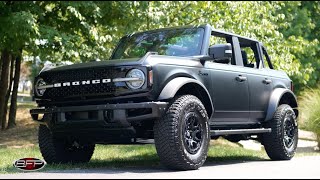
230	94
229	87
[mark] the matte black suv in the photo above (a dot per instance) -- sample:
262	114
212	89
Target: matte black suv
180	86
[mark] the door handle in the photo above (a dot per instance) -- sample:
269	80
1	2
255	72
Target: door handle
241	78
267	81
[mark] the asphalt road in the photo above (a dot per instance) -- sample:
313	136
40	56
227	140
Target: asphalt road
299	167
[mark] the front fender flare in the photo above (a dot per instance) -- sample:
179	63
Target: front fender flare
172	87
275	98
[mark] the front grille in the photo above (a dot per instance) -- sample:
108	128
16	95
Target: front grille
51	77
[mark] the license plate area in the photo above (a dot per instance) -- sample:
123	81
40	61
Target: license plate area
80	116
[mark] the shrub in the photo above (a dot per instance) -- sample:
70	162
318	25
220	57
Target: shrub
309	108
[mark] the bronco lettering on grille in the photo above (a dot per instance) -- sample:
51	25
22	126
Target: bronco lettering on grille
76	83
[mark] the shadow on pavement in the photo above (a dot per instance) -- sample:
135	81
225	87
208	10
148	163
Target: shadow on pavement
212	161
149	164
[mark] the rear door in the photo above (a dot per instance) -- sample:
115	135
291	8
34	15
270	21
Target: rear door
260	85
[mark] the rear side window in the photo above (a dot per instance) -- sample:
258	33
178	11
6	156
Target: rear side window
267	62
266	65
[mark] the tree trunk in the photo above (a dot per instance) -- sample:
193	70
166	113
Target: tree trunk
13	105
4	84
0	67
5	110
148	19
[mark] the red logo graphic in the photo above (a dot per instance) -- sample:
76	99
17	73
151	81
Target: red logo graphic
29	164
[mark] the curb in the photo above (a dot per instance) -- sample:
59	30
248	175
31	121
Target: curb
307	135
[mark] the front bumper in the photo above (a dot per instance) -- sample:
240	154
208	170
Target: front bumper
105	119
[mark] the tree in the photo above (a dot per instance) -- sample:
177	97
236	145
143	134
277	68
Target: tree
17	28
300	27
5	58
47	29
13	104
5	109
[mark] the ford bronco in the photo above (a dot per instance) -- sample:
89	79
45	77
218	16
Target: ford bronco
181	86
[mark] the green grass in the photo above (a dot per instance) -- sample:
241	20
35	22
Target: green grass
119	156
21	142
27	105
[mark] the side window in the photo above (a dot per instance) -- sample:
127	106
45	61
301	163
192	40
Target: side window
250	55
217	40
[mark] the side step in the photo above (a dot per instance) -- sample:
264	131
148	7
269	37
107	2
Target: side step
240	131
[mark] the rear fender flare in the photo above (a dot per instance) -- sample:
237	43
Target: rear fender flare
275	98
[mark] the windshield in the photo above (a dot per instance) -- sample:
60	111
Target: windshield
171	42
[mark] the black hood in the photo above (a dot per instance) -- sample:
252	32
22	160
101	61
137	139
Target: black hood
117	62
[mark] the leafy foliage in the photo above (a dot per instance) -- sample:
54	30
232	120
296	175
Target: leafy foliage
287	29
80	31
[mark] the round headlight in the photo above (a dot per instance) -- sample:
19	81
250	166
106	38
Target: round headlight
138	81
39	89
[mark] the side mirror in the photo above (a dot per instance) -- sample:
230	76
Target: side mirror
221	53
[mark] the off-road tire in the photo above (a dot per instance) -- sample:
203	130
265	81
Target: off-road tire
59	150
274	142
169	134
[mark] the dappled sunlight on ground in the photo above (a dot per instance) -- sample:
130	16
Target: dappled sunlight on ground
25	132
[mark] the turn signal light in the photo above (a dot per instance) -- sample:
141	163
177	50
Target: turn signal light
150	77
